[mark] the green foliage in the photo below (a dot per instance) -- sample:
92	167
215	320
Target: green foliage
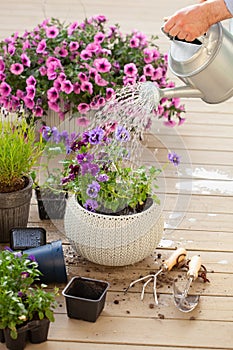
19	149
19	301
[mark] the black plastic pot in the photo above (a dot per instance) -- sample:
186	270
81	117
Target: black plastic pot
16	344
22	238
51	205
51	262
40	333
2	338
85	298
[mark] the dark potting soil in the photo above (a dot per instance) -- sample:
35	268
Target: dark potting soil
127	210
82	288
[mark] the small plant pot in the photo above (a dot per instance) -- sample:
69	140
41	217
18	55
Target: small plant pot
85	298
51	205
22	238
51	262
40	333
2	338
16	344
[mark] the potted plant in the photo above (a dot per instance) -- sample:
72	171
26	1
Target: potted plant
19	151
51	197
25	307
113	218
77	68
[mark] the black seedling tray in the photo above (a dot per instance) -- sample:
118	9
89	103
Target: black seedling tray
22	238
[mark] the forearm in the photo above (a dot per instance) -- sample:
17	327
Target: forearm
217	10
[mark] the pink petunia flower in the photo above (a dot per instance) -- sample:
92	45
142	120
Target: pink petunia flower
93	47
134	42
148	70
85	54
57	84
31	80
102	65
52	94
5	89
82	77
11	49
109	93
2	65
54	106
83	121
67	86
72	28
99	37
73	46
25	60
129	80
16	68
100	81
148	55
38	111
2	76
130	69
43	71
52	32
41	46
31	91
87	86
83	108
29	103
76	88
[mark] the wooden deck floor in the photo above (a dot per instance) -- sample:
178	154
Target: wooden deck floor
198	210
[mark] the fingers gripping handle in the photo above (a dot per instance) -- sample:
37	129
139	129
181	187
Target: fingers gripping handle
178	256
194	267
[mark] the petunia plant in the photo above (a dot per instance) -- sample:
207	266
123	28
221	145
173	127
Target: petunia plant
77	68
100	171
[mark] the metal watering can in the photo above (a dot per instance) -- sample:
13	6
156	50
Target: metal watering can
204	65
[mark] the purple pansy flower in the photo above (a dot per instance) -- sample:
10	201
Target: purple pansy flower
122	134
93	189
91	205
174	158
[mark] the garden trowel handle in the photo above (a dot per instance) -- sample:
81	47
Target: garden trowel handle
194	267
178	256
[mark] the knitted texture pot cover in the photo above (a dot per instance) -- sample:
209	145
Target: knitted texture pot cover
113	240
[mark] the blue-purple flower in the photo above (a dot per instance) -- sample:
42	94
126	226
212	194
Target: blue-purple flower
93	189
85	158
91	205
174	158
90	168
102	177
96	136
122	134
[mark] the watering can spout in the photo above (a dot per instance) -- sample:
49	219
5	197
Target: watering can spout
181	91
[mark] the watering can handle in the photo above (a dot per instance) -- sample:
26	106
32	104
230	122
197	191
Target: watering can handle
194	267
176	257
197	41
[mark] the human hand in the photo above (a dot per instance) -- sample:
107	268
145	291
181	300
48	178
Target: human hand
193	21
188	23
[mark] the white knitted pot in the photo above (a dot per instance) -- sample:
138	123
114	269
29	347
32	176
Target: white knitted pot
113	240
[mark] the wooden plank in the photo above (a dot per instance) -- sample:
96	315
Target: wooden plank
117	305
60	345
119	330
221	284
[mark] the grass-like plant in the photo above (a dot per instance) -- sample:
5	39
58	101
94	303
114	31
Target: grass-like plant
19	151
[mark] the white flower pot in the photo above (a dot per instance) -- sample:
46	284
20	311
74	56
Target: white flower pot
113	240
